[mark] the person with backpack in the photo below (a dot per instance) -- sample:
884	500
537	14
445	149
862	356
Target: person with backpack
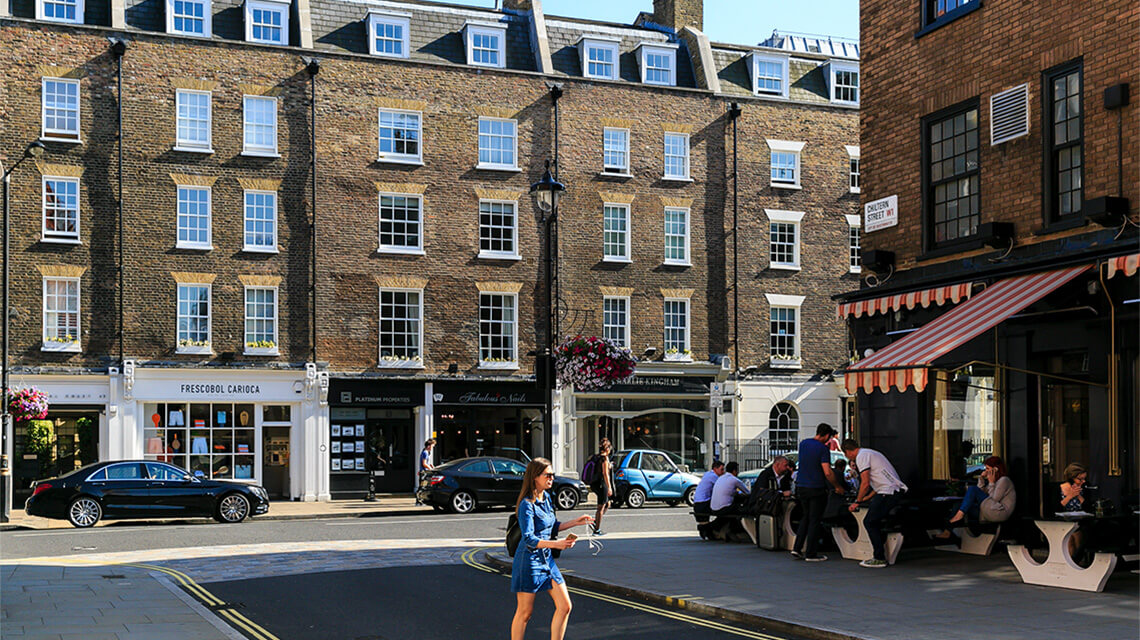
596	473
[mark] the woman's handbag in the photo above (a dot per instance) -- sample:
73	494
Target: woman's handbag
514	537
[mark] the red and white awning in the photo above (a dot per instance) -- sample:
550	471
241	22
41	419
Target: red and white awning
938	296
1124	264
905	363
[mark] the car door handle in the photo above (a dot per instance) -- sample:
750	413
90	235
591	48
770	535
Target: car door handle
497	479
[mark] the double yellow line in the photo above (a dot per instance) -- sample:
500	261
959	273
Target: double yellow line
470	560
251	628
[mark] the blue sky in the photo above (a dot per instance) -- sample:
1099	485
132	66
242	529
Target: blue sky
734	21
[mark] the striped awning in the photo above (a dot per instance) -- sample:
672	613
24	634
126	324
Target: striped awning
925	298
1124	264
905	363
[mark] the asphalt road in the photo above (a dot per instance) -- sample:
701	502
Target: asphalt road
132	536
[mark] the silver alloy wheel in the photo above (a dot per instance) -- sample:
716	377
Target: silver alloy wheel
636	498
462	502
84	512
233	508
567	498
690	496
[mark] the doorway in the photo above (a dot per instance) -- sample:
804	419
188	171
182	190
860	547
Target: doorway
63	441
275	461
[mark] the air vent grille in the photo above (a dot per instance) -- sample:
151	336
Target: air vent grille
1009	114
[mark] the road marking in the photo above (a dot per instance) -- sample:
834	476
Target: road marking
251	628
469	560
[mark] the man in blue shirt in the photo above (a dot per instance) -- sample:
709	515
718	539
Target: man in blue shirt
813	481
703	495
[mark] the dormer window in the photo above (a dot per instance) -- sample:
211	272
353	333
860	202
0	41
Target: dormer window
843	82
658	62
486	44
60	10
388	34
599	57
189	17
769	74
267	21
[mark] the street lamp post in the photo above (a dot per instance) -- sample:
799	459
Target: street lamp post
547	191
34	150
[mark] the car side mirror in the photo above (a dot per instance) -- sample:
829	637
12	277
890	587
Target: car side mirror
685	468
190	478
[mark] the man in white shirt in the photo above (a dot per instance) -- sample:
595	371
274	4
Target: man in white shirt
703	495
728	496
881	487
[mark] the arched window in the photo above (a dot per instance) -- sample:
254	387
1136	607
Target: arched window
783	429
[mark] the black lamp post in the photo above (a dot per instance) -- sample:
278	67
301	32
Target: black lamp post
547	191
34	150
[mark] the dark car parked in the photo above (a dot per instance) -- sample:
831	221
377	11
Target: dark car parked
142	489
469	483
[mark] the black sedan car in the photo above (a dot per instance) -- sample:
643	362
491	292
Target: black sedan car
141	489
469	483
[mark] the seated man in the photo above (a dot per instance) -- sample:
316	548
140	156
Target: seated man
703	495
728	496
778	476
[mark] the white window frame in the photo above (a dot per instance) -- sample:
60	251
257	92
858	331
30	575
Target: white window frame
666	49
208	245
511	364
492	166
835	67
586	43
207	348
377	18
687	261
396	362
191	145
207	19
56	236
74	346
267	5
471	29
615	169
786	146
392	248
257	248
41	12
625	328
757	57
853	156
261	351
501	255
259	150
854	222
682	355
794	218
778	301
627	246
61	135
405	158
684	177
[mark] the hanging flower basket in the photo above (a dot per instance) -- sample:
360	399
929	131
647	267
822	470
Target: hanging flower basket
592	363
27	404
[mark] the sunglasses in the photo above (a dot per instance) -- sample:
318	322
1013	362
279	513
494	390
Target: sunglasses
548	474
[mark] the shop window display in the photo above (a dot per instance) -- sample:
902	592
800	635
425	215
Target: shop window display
966	426
214	440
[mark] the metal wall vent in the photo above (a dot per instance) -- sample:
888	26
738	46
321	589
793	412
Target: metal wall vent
1009	114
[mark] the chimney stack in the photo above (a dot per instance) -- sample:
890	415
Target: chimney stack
678	14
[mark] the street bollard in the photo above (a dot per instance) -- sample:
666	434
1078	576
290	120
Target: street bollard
371	497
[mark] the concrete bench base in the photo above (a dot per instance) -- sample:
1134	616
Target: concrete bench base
1059	569
975	545
860	548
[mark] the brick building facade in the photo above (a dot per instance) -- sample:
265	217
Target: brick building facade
1017	158
418	267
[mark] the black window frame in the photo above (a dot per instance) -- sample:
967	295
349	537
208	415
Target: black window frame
931	22
1050	199
930	246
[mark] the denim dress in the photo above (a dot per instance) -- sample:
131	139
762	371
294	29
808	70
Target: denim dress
534	569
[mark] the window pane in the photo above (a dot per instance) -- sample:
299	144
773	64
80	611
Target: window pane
676	326
261	123
400	324
497	142
61	310
615	320
194	216
400	133
676	235
615	234
193	119
783	332
954	211
676	155
61	208
615	149
497	327
260	317
61	107
193	315
497	227
266	25
784	167
783	243
400	222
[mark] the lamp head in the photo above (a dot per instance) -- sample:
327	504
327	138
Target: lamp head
35	149
649	352
547	190
118	46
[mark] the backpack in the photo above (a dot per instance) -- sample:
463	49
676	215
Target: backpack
592	470
764	502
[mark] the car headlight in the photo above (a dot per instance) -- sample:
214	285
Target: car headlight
260	493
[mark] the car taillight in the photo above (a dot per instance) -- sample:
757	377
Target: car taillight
621	474
41	487
435	480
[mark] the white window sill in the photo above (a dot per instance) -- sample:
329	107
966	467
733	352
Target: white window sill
194	247
678	357
616	259
203	150
260	249
261	351
400	364
783	185
676	179
484	65
252	153
856	190
256	41
61	240
400	251
188	34
677	263
845	103
61	20
61	347
499	366
415	162
497	167
784	267
614	174
769	94
590	77
46	138
659	84
200	351
784	364
855	270
485	255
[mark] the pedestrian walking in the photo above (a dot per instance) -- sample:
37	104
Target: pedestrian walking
880	488
534	569
602	485
425	460
814	481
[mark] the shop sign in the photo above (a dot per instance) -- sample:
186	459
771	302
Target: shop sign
74	393
881	214
376	393
486	394
664	384
212	390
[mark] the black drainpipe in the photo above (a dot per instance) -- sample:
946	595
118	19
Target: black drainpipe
555	330
313	67
734	112
118	48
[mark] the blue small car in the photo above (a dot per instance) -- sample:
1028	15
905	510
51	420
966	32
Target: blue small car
644	474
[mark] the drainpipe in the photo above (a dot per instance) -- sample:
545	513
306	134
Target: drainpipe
118	48
734	112
313	67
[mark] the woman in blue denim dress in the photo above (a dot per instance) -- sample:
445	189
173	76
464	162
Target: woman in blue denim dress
534	569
